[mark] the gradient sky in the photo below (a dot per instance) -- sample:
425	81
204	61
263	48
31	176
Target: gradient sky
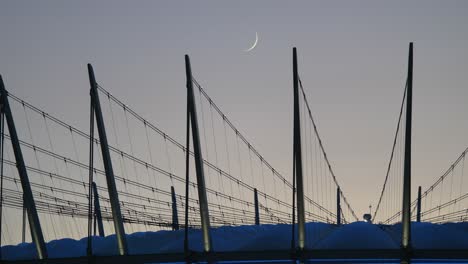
352	61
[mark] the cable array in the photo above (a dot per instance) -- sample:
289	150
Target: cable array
443	201
320	179
447	199
388	209
254	167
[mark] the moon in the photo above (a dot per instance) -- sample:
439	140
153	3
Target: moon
254	45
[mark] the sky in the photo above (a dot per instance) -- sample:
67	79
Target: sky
352	62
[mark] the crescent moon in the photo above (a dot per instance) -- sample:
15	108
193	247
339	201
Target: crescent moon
254	45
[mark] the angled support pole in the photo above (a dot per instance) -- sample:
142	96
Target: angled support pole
89	249
33	218
23	224
97	211
175	217
257	212
187	180
338	206
406	210
418	209
297	158
113	195
202	198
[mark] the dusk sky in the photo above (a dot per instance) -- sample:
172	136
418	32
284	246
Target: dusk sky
352	62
